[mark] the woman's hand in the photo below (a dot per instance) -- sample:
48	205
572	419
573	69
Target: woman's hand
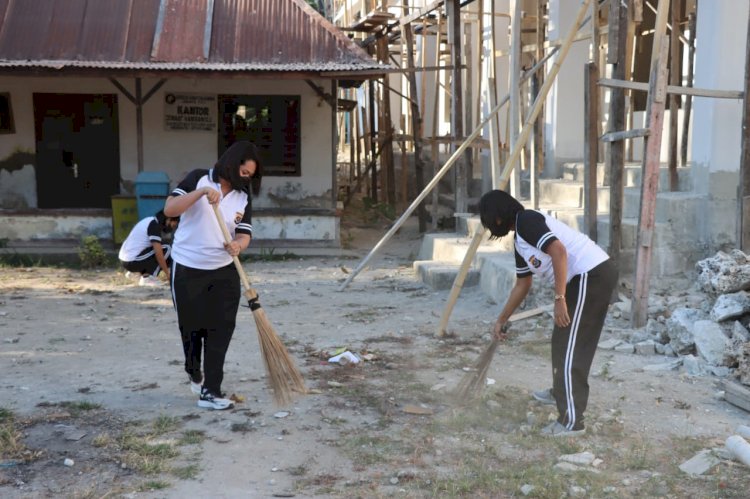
562	319
501	329
233	247
212	195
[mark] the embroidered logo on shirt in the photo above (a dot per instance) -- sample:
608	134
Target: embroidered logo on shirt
535	262
237	217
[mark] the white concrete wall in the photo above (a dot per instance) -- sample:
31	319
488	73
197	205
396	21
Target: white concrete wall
175	152
717	123
564	106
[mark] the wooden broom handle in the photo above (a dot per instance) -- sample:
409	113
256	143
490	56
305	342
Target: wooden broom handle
250	293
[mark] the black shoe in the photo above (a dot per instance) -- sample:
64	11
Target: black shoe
215	402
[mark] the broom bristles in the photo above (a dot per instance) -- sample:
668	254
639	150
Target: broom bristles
473	382
283	376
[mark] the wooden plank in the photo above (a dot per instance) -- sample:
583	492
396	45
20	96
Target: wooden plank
651	162
420	12
736	394
453	8
617	10
695	92
519	316
615	153
416	125
625	134
591	147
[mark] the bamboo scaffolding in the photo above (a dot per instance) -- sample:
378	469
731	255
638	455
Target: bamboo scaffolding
515	151
446	167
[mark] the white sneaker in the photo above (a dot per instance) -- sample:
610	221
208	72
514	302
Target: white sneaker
195	386
211	401
148	280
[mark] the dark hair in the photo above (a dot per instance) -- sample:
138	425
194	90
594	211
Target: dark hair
162	219
498	204
228	166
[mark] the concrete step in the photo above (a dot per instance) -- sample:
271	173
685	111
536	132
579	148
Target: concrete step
440	275
679	208
631	175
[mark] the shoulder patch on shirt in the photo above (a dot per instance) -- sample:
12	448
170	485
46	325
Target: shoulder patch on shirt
535	262
237	217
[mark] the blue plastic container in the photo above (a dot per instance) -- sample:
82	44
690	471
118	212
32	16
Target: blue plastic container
151	190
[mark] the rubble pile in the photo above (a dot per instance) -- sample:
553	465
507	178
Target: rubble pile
705	326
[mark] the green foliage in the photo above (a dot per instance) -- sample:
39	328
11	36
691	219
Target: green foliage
375	210
92	253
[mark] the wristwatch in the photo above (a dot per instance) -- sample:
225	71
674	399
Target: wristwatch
559	297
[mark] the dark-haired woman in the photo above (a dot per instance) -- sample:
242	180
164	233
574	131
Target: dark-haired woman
205	284
144	252
583	277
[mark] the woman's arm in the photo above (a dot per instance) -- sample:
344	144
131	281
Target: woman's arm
177	205
556	250
238	244
159	254
517	294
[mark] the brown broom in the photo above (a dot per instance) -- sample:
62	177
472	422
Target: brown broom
283	376
473	382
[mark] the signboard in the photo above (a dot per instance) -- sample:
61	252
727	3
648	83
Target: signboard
191	112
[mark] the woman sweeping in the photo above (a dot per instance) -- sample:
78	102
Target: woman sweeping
205	283
583	277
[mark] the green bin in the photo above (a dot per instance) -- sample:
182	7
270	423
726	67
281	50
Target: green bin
124	216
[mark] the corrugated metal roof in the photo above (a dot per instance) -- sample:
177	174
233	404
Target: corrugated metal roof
175	35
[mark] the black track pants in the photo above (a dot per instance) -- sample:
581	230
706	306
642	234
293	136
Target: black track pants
206	302
573	347
146	262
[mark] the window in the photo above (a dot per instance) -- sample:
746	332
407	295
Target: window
271	122
6	114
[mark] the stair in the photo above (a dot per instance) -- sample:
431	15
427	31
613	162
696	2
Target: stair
493	267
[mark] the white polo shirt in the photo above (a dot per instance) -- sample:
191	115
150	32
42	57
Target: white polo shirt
198	242
141	236
535	231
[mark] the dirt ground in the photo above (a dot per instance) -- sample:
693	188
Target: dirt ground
92	373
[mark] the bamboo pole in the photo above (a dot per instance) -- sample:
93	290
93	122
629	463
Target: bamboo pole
651	161
514	87
435	147
675	78
744	187
687	110
515	151
494	141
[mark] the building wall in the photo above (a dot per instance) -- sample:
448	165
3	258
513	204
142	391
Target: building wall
719	64
178	152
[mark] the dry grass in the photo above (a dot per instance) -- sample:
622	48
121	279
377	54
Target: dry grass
283	376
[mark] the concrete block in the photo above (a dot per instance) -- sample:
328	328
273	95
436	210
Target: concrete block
440	275
624	348
498	275
645	348
699	463
561	192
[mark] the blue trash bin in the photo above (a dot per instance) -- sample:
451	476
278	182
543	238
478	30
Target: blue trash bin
151	190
